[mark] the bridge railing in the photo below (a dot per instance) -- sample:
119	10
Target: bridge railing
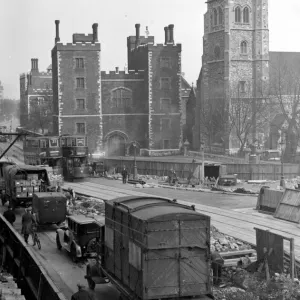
21	262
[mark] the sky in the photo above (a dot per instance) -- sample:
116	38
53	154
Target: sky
27	30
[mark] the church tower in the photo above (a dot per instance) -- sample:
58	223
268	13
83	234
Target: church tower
235	61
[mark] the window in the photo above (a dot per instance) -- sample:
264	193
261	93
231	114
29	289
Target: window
166	144
165	62
220	16
244	47
238	14
246	15
80	142
165	124
165	83
134	255
53	142
217	52
79	63
43	143
80	83
121	97
80	104
40	100
80	128
109	238
215	17
242	86
165	104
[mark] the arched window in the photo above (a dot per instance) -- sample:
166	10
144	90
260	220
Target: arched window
246	15
244	47
238	14
215	17
220	16
121	97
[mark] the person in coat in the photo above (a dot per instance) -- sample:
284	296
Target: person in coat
27	220
82	293
124	174
9	215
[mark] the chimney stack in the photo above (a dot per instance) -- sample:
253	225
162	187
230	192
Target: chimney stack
57	39
167	35
171	30
95	32
117	70
137	35
37	64
32	64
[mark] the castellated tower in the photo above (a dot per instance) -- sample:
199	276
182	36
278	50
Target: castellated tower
235	61
77	107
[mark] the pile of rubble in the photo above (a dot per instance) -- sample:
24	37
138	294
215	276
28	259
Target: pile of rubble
223	243
8	288
87	205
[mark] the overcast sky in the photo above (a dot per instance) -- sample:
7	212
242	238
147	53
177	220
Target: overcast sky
27	30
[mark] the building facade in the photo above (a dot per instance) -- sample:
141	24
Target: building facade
235	63
36	99
117	108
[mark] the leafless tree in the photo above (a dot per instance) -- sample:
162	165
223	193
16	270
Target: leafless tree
285	97
40	117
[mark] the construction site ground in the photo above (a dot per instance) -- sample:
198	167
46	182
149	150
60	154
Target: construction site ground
233	215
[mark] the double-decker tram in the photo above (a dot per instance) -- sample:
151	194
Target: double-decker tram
45	150
75	157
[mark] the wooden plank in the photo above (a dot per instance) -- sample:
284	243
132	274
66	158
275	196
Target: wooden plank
233	262
238	253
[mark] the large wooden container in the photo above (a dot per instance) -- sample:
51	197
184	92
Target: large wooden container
157	248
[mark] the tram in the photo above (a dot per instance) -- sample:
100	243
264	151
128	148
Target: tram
44	150
75	157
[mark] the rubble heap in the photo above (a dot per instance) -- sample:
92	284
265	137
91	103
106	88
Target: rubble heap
87	205
8	288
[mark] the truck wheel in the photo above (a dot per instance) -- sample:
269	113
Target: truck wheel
58	244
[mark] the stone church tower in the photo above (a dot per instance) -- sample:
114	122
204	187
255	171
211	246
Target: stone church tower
235	61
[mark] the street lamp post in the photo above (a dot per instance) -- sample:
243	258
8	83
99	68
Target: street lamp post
202	167
134	166
282	143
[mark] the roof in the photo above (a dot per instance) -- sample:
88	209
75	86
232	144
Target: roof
147	208
185	87
83	219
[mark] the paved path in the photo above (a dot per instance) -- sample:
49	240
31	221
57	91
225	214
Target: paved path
238	223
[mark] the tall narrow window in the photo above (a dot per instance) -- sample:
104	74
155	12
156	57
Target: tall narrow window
165	124
80	83
165	104
166	144
121	97
165	62
215	17
220	16
246	15
165	83
79	63
244	47
242	86
80	104
80	128
238	14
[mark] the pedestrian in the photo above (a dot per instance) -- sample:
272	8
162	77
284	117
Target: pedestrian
82	293
217	263
124	174
27	220
9	215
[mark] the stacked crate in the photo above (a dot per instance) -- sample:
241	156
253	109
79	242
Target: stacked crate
26	188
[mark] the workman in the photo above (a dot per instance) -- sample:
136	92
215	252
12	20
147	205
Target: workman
217	263
124	174
82	293
27	220
9	215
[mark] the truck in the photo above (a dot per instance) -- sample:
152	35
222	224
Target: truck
21	182
153	248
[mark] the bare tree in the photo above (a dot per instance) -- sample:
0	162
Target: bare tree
285	98
40	117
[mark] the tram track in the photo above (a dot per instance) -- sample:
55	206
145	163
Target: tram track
220	218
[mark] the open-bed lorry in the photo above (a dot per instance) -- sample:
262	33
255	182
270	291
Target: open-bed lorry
153	248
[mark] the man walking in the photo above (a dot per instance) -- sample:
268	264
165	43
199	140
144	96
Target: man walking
27	220
82	293
124	175
9	215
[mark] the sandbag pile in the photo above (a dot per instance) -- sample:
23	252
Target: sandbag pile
87	205
8	288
